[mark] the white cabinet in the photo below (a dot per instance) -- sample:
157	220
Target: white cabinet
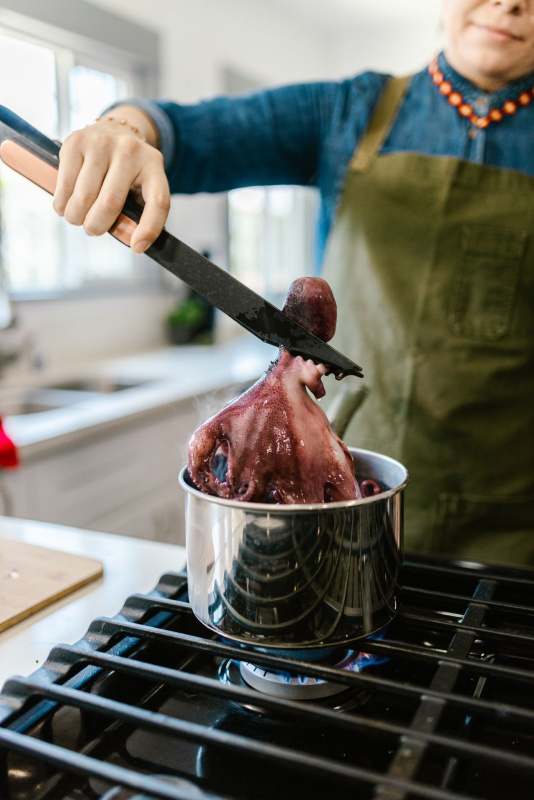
113	466
122	479
158	515
12	494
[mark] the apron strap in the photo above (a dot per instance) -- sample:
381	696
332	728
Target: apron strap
380	123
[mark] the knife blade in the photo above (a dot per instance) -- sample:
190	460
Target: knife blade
33	155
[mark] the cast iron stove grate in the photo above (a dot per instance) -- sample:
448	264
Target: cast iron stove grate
135	709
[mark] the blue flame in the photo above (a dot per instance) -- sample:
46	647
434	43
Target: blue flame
356	662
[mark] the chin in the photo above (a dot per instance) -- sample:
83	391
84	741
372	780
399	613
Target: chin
493	61
493	71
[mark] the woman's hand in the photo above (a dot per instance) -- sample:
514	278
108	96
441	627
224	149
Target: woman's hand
100	164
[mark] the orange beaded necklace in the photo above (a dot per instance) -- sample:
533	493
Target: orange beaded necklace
456	99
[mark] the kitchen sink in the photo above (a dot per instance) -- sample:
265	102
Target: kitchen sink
21	401
101	385
17	401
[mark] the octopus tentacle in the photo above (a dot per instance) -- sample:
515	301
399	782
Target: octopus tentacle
279	444
203	446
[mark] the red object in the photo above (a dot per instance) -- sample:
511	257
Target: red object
9	456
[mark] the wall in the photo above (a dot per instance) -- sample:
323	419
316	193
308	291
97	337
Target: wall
199	37
270	43
398	44
58	335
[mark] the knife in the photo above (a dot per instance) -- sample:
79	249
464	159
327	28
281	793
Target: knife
33	155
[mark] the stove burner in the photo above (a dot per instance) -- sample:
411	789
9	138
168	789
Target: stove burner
118	793
284	684
281	683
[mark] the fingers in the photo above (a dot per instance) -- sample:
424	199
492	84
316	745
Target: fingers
151	183
70	163
156	194
86	193
106	205
95	174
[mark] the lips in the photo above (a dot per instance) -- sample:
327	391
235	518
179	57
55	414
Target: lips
494	32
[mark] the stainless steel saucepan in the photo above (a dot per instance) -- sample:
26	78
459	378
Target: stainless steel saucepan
298	576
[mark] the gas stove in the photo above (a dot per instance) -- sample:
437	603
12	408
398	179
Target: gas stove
150	705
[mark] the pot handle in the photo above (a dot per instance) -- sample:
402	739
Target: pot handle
344	405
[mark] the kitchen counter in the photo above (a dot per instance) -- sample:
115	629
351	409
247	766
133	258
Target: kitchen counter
107	456
165	377
130	565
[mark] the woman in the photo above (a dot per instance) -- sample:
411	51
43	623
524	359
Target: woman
427	189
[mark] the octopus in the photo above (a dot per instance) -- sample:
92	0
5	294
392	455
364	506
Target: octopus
274	443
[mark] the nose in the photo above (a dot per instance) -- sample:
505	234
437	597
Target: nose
512	6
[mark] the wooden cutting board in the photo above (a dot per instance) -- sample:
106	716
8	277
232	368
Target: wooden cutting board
33	577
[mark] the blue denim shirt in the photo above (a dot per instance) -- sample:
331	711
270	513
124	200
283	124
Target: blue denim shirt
305	134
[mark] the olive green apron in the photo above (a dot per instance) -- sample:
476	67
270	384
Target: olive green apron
431	260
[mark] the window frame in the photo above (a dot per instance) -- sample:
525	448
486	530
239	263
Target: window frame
81	33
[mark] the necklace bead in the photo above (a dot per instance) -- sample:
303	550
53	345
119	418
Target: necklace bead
466	110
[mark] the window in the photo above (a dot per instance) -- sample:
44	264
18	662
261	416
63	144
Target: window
59	86
271	229
271	237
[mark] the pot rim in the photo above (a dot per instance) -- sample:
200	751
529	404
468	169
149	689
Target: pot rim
296	508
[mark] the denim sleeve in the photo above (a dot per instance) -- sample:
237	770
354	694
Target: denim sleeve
263	138
303	135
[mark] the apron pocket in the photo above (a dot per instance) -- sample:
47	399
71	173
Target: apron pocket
487	528
485	282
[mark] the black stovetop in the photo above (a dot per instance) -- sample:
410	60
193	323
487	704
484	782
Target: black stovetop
150	705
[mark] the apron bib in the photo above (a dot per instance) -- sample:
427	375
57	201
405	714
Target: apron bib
431	260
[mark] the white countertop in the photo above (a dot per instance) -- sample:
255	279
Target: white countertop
130	565
167	376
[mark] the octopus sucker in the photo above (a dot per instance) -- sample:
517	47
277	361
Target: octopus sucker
274	443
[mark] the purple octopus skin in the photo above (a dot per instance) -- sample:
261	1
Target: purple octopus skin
278	442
